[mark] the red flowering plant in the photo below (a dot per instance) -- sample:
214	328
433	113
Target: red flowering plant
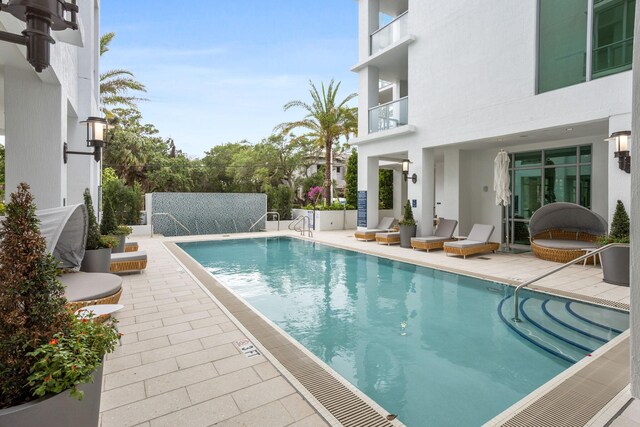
71	358
314	194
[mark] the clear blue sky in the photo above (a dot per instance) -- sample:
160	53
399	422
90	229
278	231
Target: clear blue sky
219	71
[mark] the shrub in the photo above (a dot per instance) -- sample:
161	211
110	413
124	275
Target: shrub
407	219
620	223
385	189
108	224
126	201
94	239
351	178
280	199
32	303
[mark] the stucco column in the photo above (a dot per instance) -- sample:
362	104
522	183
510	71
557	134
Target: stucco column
423	190
368	97
619	180
368	181
35	115
635	220
399	192
451	185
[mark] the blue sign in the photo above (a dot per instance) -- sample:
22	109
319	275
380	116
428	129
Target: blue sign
414	203
362	208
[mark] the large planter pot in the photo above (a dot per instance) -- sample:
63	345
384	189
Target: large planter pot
96	261
121	244
58	410
406	233
615	265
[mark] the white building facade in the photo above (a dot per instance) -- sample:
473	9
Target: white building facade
447	85
40	112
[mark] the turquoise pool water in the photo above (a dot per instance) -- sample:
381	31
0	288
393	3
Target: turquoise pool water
427	345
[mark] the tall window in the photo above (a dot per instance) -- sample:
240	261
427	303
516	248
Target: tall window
612	36
562	40
542	177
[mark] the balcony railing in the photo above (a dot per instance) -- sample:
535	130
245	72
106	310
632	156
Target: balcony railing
389	115
390	33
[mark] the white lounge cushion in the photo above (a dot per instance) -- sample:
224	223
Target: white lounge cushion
89	286
129	256
389	234
429	239
464	244
446	228
480	233
564	244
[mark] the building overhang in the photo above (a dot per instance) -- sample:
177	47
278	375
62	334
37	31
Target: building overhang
392	57
385	134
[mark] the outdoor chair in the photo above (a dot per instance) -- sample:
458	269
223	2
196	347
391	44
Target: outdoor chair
369	234
131	246
128	262
84	289
444	233
388	238
476	243
562	232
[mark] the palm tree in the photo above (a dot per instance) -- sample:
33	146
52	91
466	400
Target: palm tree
325	122
116	84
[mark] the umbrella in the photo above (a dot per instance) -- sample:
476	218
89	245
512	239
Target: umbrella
501	182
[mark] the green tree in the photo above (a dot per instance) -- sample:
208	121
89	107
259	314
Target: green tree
93	232
408	219
327	119
116	85
385	188
620	223
279	199
351	178
126	201
108	224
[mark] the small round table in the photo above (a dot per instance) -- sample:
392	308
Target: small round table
596	256
98	310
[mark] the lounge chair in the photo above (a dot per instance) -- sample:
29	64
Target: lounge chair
476	243
562	232
131	246
128	262
83	289
444	233
370	233
388	237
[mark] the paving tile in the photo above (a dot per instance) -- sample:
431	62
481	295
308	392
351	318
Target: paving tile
139	347
140	326
260	394
224	338
139	373
271	415
171	351
183	377
126	362
124	313
158	315
163	331
228	326
144	410
185	318
200	307
128	338
181	304
297	406
207	355
156	303
235	363
314	420
203	414
221	385
121	396
266	370
194	334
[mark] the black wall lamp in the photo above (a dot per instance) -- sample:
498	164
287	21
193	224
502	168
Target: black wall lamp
41	17
97	129
621	139
405	171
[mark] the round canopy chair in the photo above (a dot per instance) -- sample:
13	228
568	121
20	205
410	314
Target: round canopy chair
65	231
562	232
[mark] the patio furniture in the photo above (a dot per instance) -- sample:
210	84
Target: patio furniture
369	234
476	243
128	262
131	246
84	289
388	238
562	232
443	234
65	232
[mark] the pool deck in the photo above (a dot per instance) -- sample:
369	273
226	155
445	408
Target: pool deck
179	361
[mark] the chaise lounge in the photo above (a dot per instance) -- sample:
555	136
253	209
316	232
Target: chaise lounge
369	234
476	243
131	246
562	232
128	262
444	233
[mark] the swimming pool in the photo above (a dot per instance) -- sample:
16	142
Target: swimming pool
420	342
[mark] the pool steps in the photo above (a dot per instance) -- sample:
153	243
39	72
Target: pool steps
569	331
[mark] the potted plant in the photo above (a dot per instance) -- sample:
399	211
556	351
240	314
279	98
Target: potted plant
615	260
407	226
108	227
50	360
97	257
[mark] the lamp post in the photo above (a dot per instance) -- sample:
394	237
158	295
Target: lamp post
621	140
41	16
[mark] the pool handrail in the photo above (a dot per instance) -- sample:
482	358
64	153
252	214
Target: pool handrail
175	222
277	214
589	254
305	220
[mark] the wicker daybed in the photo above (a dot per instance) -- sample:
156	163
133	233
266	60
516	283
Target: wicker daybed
476	243
84	289
443	234
131	246
562	232
128	262
369	234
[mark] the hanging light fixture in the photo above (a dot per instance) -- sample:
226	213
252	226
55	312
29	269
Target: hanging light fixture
405	171
41	17
622	153
97	128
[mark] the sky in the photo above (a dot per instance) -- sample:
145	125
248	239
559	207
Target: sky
220	71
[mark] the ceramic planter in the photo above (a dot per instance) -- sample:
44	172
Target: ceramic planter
58	410
615	265
406	233
96	261
121	244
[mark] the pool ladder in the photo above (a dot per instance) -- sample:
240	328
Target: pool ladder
306	225
516	317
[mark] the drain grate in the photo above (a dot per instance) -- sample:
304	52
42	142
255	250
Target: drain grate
342	402
483	258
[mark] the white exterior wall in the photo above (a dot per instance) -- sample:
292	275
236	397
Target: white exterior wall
472	90
42	111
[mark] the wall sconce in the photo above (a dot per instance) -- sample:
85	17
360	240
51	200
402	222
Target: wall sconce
405	171
621	139
41	17
97	128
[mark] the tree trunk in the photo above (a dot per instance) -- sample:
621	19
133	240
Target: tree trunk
327	171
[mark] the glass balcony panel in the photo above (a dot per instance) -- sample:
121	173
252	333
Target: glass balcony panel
389	115
390	33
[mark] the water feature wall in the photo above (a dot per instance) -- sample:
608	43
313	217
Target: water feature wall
205	213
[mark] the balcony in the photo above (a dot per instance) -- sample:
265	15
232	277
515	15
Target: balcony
389	116
389	34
